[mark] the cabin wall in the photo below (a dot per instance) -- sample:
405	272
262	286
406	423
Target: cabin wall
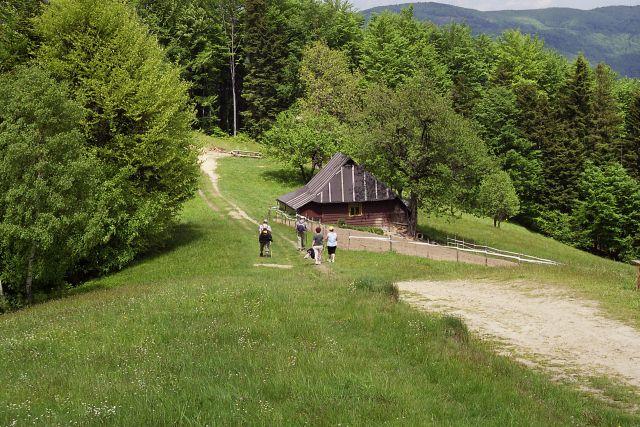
378	214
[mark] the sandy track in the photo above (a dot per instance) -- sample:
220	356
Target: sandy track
546	327
208	164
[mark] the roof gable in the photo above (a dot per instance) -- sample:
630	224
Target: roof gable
340	181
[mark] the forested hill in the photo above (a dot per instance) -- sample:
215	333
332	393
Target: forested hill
609	34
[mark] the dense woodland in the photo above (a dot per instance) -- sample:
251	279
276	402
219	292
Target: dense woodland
98	101
610	33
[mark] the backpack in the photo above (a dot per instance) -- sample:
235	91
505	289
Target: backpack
301	228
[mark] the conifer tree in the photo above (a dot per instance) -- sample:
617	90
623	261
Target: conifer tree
608	121
266	51
577	105
630	148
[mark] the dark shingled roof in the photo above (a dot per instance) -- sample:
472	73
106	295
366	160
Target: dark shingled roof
340	181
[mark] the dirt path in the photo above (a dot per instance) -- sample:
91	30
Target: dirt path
544	327
208	164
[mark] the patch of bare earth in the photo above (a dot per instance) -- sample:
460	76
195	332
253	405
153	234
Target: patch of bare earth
545	327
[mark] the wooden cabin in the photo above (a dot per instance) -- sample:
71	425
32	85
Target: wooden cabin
344	192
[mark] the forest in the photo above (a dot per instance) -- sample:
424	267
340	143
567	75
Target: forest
98	103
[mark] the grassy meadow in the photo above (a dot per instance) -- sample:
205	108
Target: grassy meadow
195	334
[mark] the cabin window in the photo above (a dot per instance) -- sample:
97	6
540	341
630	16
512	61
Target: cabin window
355	209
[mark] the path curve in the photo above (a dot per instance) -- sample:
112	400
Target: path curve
208	164
541	326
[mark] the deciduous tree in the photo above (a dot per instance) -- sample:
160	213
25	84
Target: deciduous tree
49	181
138	119
497	198
413	139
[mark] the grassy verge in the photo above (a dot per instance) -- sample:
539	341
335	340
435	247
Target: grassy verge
197	335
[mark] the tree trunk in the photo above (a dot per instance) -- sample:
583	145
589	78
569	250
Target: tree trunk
303	173
233	78
28	285
233	94
495	221
413	215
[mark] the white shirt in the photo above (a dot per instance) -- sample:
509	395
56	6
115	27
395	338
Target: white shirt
332	239
263	226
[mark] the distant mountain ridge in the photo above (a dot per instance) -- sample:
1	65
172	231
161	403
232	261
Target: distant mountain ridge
610	34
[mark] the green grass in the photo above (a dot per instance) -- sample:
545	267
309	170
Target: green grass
197	335
242	142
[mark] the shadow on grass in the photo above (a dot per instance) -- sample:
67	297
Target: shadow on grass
287	177
433	234
182	235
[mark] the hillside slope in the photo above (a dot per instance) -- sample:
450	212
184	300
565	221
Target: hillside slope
198	335
609	34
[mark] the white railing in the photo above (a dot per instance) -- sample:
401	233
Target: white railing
461	245
458	245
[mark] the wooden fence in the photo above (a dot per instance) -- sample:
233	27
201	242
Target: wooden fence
252	154
468	247
453	250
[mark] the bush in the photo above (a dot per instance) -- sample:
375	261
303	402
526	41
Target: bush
556	225
374	230
379	286
5	306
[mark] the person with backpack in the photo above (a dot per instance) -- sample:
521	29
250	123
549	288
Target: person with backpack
264	225
265	240
301	231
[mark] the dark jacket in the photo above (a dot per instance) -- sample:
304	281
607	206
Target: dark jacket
265	237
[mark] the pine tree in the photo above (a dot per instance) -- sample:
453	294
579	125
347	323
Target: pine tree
608	123
630	148
577	105
266	52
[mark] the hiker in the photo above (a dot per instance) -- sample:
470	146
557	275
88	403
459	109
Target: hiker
318	242
265	240
264	225
301	231
332	244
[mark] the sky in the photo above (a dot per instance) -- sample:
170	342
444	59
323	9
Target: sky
507	4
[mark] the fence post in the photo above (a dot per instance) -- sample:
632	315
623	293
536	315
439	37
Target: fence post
457	253
349	240
486	260
390	244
